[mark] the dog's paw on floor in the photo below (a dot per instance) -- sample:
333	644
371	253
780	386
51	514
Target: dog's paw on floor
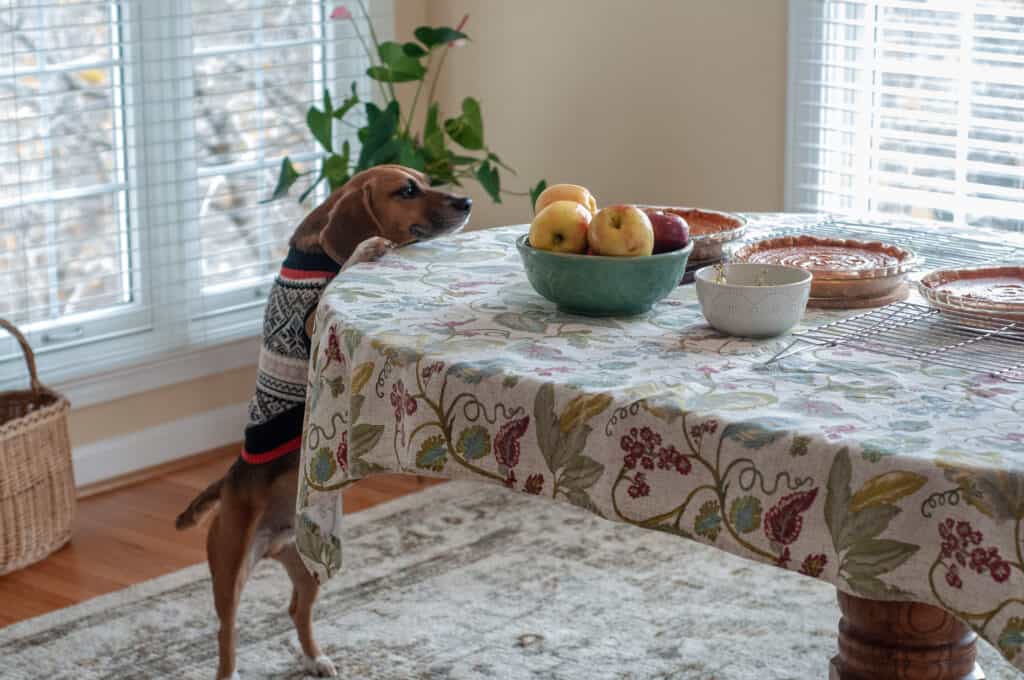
320	667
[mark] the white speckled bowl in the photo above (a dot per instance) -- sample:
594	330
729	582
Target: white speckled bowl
756	300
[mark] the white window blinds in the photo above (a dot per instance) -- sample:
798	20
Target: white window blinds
138	140
912	108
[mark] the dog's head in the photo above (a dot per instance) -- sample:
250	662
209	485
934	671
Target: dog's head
391	201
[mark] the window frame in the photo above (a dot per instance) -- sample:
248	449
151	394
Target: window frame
196	332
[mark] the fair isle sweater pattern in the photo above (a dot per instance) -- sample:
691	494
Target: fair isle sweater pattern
276	408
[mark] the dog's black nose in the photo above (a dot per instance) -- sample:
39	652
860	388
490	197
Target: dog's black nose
463	204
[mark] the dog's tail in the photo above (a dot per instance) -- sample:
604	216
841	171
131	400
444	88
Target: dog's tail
200	506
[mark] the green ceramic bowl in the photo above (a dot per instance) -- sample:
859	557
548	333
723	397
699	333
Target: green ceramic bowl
595	285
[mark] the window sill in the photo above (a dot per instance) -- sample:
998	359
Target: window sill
166	370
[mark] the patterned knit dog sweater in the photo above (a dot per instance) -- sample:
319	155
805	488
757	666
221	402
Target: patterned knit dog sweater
276	409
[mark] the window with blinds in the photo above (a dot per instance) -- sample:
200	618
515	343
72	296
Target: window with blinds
138	143
911	108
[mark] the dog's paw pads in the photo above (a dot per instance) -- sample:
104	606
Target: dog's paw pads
371	249
234	676
321	666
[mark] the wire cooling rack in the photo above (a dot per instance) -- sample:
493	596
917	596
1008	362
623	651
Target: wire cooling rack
937	249
972	342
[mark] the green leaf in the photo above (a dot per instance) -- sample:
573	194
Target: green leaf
886	488
570	445
311	188
328	107
877	556
546	424
800	446
837	500
410	156
337	386
432	454
708	522
468	129
356	407
335	169
388	153
433	137
487	175
745	514
535	192
351	339
322	465
396	66
497	161
581	473
1011	640
581	499
755	434
320	125
456	159
870	587
520	322
379	132
348	104
413	50
432	37
474	442
865	525
285	179
363	438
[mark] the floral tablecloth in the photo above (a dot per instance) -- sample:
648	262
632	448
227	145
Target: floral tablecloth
888	478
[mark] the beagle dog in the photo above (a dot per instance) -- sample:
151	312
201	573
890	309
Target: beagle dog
378	209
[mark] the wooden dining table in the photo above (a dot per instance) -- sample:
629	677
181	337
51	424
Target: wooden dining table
899	481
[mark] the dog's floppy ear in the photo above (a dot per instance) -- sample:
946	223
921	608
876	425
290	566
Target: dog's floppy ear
350	222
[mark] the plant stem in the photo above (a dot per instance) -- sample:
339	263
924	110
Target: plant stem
440	67
416	97
366	48
376	43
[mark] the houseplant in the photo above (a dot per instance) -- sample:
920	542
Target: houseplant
448	150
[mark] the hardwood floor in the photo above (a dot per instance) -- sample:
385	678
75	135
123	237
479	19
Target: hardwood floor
127	535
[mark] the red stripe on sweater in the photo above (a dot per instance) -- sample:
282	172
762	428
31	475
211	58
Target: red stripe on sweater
289	273
290	446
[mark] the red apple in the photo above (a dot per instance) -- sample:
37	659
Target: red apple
622	230
671	232
561	227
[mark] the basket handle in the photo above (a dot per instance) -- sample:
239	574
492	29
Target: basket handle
30	357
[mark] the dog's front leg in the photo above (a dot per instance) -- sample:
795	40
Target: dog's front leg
369	250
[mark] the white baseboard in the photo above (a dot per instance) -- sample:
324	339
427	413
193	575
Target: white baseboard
135	451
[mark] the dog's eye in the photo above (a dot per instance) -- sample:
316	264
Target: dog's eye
410	190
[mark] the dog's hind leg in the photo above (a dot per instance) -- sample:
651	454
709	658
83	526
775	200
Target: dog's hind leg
304	592
228	545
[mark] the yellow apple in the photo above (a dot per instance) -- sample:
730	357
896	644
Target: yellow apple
622	230
566	192
561	227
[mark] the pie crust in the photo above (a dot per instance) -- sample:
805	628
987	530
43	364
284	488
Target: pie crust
843	269
994	290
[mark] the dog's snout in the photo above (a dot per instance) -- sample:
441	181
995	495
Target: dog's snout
463	203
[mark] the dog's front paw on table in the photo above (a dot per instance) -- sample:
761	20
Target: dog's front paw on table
319	667
369	250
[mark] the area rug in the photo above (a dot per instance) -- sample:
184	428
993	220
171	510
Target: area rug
465	581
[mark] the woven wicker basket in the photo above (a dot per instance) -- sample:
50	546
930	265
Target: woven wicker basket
37	485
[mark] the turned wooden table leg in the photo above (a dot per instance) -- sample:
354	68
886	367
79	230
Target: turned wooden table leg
902	641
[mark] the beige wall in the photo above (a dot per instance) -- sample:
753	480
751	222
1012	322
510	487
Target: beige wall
149	409
676	101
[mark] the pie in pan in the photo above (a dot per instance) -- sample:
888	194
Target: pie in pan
842	268
996	290
710	230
